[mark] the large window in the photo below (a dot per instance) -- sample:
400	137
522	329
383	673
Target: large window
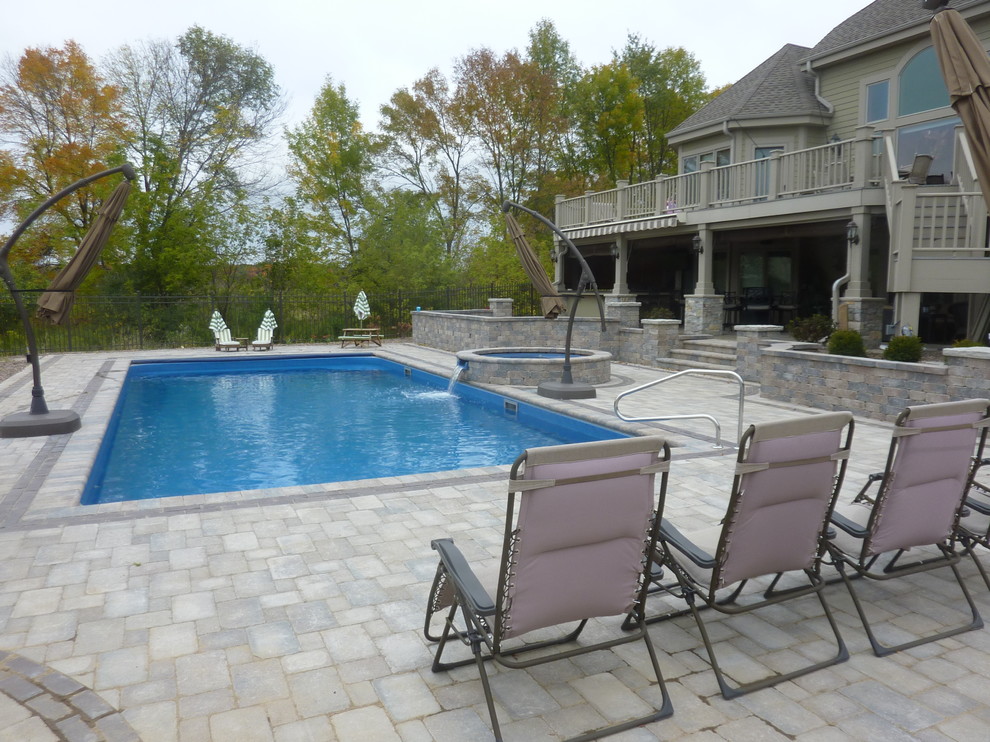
877	101
921	85
935	138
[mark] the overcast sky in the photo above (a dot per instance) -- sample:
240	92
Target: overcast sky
375	47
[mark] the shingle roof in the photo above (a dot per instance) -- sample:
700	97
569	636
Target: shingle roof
877	19
777	87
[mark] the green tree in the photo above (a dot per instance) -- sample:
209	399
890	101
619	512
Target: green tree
202	109
403	247
609	120
672	87
331	163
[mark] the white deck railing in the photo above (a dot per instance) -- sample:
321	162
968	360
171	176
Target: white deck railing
838	165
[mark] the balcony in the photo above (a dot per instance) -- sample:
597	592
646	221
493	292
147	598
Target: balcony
837	166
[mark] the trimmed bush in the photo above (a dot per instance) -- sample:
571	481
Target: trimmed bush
903	348
846	343
966	343
813	329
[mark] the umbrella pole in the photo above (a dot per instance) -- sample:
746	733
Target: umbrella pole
566	388
39	420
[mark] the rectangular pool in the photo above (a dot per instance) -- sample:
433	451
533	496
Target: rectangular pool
195	427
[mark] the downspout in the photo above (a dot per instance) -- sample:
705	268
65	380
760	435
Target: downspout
818	87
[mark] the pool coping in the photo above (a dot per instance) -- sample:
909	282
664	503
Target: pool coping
48	491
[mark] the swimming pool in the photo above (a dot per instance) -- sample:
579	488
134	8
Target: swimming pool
195	427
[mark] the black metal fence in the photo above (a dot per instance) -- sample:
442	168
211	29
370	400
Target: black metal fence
149	322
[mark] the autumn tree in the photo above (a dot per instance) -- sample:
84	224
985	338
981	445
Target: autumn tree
59	122
203	110
511	105
426	145
331	162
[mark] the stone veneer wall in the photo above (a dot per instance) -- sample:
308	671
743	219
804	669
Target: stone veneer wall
872	388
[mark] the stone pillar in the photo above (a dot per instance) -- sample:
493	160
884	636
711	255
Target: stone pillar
500	307
627	312
703	314
866	317
749	338
659	337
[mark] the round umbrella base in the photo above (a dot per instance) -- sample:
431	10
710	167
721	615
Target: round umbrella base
25	424
564	390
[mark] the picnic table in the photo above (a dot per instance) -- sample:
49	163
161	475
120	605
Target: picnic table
359	336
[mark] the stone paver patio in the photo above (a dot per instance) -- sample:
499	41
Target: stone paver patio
296	614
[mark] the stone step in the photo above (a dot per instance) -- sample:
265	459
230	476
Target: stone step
706	356
720	346
679	364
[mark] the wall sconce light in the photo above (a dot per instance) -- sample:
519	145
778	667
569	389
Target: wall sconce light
553	254
696	244
614	250
852	233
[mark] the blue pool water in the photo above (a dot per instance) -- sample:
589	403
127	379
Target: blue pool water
183	428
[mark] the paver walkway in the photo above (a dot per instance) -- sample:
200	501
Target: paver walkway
296	614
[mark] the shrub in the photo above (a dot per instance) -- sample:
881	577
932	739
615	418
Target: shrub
846	343
966	343
903	348
811	329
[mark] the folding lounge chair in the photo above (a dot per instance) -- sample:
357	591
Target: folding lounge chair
221	333
788	474
930	466
265	331
974	527
575	549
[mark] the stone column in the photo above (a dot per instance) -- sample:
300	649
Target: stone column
703	315
866	317
749	338
659	337
627	312
500	307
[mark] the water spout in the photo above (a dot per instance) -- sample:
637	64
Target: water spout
458	370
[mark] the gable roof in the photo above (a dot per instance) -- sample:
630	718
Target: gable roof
778	87
878	19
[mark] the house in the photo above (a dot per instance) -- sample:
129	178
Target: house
835	179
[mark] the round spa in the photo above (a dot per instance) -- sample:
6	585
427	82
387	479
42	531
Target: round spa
532	366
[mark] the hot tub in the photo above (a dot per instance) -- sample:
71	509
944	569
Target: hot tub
531	366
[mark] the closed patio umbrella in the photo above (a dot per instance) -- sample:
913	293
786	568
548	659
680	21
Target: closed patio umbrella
55	303
362	310
966	69
550	301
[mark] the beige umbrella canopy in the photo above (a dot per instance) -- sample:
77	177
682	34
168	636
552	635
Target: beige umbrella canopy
966	69
550	301
55	303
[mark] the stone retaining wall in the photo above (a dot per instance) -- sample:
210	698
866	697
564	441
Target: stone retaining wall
873	388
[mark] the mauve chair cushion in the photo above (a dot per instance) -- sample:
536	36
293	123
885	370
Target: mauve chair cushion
581	544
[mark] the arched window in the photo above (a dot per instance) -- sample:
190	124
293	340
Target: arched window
921	85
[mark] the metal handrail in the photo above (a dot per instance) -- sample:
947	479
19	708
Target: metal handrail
708	371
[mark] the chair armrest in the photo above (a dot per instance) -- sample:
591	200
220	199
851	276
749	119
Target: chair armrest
463	577
853	529
670	535
861	496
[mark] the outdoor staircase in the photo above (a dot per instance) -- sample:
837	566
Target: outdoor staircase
702	352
